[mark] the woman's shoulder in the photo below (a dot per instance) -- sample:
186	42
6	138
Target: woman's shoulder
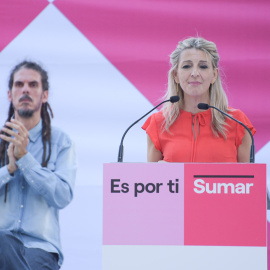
241	116
237	113
155	119
158	117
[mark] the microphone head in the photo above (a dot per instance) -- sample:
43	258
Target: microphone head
174	99
203	106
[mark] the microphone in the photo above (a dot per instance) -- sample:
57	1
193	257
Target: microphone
172	99
204	106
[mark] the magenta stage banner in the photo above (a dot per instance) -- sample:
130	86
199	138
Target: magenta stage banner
164	215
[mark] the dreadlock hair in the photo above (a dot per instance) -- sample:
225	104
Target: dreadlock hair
46	111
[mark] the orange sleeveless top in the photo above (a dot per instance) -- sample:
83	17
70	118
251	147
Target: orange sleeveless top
184	144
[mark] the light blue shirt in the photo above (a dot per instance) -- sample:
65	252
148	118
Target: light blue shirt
35	194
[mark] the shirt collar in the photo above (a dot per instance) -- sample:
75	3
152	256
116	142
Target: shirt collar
35	132
204	117
204	113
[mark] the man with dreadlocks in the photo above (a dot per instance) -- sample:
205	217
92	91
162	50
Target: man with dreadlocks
37	175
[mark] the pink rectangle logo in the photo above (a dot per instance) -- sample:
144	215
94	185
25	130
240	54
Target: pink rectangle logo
225	204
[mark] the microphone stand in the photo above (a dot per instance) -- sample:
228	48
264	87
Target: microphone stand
204	106
121	147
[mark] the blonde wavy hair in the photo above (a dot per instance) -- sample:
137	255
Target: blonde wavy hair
217	94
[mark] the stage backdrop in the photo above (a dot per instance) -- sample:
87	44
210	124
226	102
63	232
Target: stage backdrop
108	63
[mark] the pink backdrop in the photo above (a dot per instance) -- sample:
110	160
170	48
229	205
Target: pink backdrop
138	36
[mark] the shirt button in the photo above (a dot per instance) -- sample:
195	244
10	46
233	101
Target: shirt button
21	206
19	221
3	181
22	187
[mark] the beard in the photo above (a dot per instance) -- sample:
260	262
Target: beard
28	113
25	113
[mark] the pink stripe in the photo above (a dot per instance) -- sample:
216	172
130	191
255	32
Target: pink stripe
137	37
15	15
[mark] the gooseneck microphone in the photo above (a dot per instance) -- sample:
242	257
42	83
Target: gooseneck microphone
172	99
204	106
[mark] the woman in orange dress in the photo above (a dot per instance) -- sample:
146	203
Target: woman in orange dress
181	132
